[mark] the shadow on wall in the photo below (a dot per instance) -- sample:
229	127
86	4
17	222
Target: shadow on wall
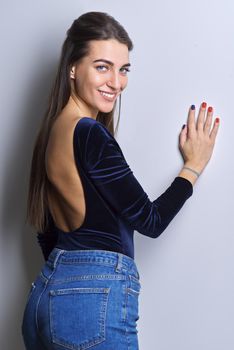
19	238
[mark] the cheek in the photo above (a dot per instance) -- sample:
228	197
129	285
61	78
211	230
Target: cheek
100	79
88	80
85	88
124	82
95	79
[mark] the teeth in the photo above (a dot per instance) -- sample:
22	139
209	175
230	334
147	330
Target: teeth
107	94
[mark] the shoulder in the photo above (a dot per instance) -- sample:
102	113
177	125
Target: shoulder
94	140
87	126
92	133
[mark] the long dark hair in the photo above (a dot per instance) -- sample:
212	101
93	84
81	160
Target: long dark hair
87	27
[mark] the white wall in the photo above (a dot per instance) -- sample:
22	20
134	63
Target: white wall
183	54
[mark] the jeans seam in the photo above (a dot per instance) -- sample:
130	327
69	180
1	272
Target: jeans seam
92	277
39	299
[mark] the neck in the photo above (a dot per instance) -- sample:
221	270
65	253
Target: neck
80	107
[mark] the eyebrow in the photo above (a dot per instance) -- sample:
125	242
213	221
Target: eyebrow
111	63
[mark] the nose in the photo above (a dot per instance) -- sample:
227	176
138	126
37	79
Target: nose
114	81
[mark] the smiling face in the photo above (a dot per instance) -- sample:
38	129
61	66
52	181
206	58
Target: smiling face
99	78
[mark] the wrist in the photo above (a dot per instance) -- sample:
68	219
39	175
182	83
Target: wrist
191	170
189	174
195	166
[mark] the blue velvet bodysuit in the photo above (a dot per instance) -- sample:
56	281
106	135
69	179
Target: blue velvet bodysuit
116	203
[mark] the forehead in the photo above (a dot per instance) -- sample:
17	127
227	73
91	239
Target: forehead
110	49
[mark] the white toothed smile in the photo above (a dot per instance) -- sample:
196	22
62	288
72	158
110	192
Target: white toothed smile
108	96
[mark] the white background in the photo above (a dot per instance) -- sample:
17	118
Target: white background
183	54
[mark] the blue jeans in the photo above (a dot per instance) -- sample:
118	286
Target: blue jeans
83	299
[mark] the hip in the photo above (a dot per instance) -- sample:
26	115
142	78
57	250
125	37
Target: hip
86	298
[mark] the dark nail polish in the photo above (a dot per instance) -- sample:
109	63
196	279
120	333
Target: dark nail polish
183	126
193	107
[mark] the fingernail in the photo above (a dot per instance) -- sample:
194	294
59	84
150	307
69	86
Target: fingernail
210	109
203	104
183	126
217	120
192	107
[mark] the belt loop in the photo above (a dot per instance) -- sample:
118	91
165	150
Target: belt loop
57	257
119	263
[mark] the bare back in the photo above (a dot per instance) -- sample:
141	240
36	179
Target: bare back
65	193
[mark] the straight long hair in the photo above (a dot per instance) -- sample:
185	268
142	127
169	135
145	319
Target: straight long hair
87	27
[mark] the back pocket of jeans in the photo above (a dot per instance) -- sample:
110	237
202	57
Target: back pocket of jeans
78	316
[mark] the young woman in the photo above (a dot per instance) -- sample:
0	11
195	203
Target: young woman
85	201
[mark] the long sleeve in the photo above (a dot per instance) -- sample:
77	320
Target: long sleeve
110	173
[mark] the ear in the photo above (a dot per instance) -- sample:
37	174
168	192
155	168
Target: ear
72	72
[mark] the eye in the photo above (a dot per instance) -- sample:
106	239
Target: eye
101	70
126	70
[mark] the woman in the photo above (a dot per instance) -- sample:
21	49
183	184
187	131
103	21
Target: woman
86	203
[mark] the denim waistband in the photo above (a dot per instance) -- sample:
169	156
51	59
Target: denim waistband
121	261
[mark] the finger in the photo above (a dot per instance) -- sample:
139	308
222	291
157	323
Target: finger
183	136
201	118
191	121
214	130
208	121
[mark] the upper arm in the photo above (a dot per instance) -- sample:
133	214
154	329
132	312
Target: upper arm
110	172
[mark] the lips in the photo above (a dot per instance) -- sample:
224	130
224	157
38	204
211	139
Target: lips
108	95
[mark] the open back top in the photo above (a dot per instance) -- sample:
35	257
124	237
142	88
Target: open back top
116	203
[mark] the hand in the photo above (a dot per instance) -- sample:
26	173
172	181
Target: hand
196	141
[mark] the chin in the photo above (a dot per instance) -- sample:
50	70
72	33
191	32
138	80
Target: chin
106	109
